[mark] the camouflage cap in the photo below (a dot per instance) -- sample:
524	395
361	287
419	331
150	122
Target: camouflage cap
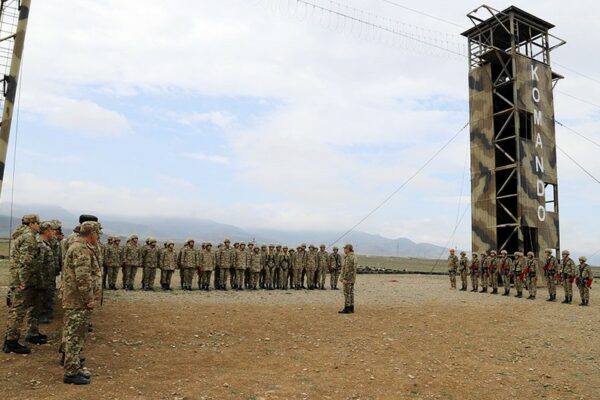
566	253
530	254
46	226
116	239
504	252
518	254
226	241
242	243
285	247
89	227
583	258
483	253
349	247
462	253
188	241
475	255
548	251
30	219
452	250
263	246
148	240
271	246
303	245
170	243
152	240
57	224
311	246
322	246
493	253
256	249
292	250
335	248
133	237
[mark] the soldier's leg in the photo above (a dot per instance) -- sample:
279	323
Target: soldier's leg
533	288
134	271
181	277
586	294
74	333
144	277
125	278
232	280
152	278
347	295
21	301
168	279
33	313
112	277
217	282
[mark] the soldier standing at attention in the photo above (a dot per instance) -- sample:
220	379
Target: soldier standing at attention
348	278
263	265
290	277
168	264
241	263
474	272
187	263
297	266
584	280
284	266
517	273
550	271
567	272
150	260
271	265
464	270
208	262
109	241
335	266
227	259
312	260
322	266
23	281
80	295
218	266
531	265
55	244
483	272
452	268
303	271
493	271
143	252
132	257
113	260
254	266
506	265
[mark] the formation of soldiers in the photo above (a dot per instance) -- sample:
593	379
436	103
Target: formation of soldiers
487	270
40	253
238	266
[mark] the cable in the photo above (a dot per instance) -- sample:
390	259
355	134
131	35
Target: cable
423	13
452	236
388	198
577	133
577	72
579	165
578	98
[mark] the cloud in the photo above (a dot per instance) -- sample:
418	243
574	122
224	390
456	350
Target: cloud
216	118
212	158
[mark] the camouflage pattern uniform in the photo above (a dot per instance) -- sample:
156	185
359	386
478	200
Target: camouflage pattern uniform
567	273
132	259
531	265
168	265
207	265
263	266
55	245
113	259
298	266
348	278
24	276
463	269
322	267
226	261
150	261
290	277
241	263
218	266
186	261
506	266
474	267
143	250
550	272
284	267
518	273
80	293
493	271
484	272
452	268
312	262
255	266
585	277
270	266
335	266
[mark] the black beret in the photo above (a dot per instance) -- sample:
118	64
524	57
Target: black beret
85	218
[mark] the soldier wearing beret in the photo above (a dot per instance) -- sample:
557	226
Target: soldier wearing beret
348	278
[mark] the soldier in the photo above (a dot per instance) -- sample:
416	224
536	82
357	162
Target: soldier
334	266
518	273
483	272
531	265
290	278
270	266
263	265
322	266
452	268
23	281
567	273
284	267
207	265
113	259
232	270
277	271
312	261
298	266
80	295
227	260
143	251
474	268
218	266
493	271
463	270
109	241
241	263
186	261
132	259
348	278
55	245
550	272
247	276
255	265
584	281
150	261
506	266
303	271
168	264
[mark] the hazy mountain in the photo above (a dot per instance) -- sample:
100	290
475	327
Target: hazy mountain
179	229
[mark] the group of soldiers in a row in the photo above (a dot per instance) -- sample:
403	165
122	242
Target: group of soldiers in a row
487	270
238	267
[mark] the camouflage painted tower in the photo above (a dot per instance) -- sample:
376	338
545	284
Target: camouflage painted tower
14	15
514	187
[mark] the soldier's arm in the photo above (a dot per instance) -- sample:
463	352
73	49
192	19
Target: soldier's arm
82	268
28	253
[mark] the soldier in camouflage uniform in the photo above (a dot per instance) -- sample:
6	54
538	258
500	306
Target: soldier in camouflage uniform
270	266
506	266
518	273
113	259
254	266
290	277
263	266
168	265
207	265
463	269
567	273
247	276
143	250
298	266
474	267
23	281
241	263
493	271
312	262
55	242
322	266
348	278
284	267
186	261
81	293
218	266
585	277
483	272
452	268
150	261
531	265
550	272
303	271
132	259
227	261
335	266
105	248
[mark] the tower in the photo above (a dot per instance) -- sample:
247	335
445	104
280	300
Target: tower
514	185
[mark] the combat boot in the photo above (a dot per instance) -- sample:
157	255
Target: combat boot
37	339
570	299
346	310
78	379
582	303
495	291
519	295
352	309
483	290
44	319
565	301
13	346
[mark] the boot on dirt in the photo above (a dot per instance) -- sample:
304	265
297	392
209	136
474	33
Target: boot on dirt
346	310
37	339
351	309
483	290
570	299
565	301
13	346
78	379
495	291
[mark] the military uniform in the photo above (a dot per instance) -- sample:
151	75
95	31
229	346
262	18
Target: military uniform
335	266
297	267
585	277
322	267
493	271
168	264
452	268
254	266
55	245
312	262
506	266
484	274
284	267
80	293
270	267
567	273
531	265
518	273
132	259
474	267
348	278
113	260
150	261
241	263
550	272
463	269
186	261
226	261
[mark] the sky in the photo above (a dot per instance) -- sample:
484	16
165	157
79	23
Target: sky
268	114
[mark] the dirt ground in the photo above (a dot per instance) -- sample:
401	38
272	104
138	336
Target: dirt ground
411	337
